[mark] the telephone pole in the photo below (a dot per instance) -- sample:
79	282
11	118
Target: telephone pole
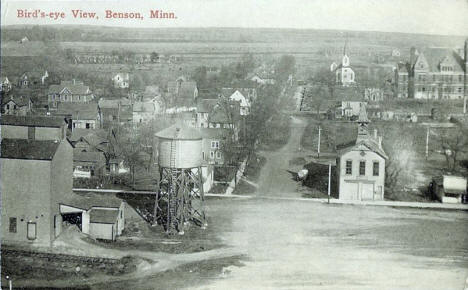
318	143
329	181
427	142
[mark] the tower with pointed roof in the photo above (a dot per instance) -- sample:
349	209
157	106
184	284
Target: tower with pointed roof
363	124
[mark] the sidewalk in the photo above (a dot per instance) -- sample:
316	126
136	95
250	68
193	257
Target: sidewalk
429	205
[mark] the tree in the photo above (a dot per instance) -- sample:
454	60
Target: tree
154	57
285	67
454	143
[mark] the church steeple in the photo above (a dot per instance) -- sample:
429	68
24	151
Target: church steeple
345	61
363	122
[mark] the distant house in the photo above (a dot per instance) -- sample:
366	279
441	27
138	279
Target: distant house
5	85
36	175
117	166
361	165
373	94
182	92
396	52
243	96
80	115
262	78
115	111
30	78
24	40
97	216
69	91
143	112
212	151
20	106
33	127
87	164
204	108
121	80
449	189
89	140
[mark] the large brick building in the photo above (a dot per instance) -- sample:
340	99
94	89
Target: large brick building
436	73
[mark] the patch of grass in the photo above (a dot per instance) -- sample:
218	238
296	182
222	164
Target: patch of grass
243	187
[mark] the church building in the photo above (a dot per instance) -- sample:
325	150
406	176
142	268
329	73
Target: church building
344	74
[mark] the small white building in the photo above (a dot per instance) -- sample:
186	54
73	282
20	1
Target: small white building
361	165
243	102
97	216
121	80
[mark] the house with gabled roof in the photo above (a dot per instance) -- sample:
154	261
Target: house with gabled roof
5	85
243	96
69	91
80	115
361	165
21	105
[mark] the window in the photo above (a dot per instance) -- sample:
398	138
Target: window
212	154
8	107
31	132
214	144
218	155
12	225
89	126
362	168
349	167
375	168
31	231
203	155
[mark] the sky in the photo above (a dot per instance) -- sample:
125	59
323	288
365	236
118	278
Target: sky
445	17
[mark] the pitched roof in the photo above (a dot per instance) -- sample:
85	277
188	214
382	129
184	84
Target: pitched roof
222	115
179	132
239	97
33	121
29	149
80	156
212	133
75	87
147	107
19	101
86	200
113	103
206	105
368	142
105	216
92	137
434	56
78	111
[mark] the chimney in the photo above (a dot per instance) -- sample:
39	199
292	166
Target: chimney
375	134
380	142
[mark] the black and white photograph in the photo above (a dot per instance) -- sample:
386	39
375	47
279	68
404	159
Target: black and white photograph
222	144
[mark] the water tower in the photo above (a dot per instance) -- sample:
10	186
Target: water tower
180	198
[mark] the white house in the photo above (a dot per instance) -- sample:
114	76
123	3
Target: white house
361	165
121	80
243	102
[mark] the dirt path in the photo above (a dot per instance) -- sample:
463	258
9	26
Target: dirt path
275	180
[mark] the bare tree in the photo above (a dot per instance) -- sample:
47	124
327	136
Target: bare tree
454	144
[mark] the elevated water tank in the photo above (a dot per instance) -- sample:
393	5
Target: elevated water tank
179	147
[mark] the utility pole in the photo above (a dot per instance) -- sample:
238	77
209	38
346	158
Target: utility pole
318	143
329	181
427	142
464	105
